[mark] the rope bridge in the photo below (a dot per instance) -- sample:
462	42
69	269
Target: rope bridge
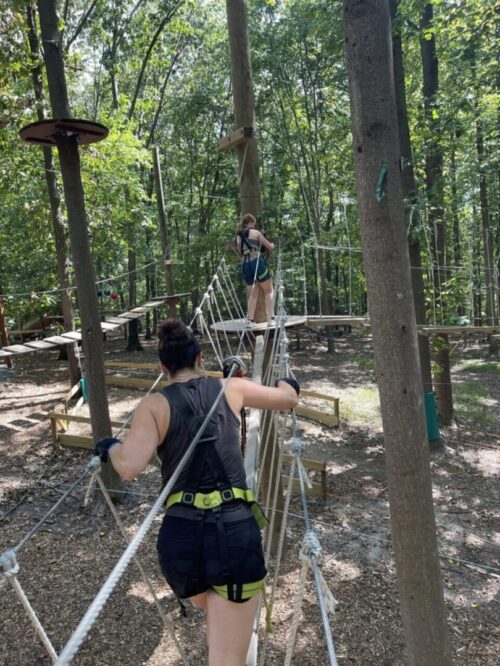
70	337
219	296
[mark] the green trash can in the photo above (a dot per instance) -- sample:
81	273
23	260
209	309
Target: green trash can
431	416
83	387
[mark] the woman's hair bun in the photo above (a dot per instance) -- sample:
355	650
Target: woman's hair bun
177	345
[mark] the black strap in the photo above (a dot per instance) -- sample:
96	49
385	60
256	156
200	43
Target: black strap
205	452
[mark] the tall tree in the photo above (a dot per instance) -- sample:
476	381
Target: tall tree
436	220
54	200
78	229
410	195
387	266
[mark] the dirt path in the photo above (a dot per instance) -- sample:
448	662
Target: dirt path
63	566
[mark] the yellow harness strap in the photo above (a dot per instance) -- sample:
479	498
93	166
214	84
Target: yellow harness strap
210	500
216	498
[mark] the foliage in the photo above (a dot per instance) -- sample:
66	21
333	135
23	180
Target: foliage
158	73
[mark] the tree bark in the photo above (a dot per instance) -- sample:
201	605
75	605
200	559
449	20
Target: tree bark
4	335
410	196
164	236
73	353
244	105
434	188
133	343
78	229
393	323
488	239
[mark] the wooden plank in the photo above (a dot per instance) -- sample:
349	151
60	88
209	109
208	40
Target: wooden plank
337	320
76	441
315	491
309	463
235	138
238	325
319	396
4	354
121	321
40	344
445	330
58	340
17	349
74	336
79	418
133	382
317	415
72	392
253	421
134	366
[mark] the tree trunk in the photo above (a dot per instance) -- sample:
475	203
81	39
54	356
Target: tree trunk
244	116
164	236
386	261
4	336
133	342
410	197
73	354
80	247
434	188
488	239
244	113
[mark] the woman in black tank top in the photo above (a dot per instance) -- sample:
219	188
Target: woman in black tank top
209	544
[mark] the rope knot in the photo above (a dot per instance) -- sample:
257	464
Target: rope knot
95	464
296	445
8	566
310	546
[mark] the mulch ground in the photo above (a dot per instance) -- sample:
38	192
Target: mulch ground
63	565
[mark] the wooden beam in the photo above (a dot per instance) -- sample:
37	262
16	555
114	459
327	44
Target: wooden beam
76	441
253	422
317	415
316	489
316	465
235	138
133	382
79	418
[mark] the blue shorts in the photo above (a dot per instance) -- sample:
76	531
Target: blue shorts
197	553
255	270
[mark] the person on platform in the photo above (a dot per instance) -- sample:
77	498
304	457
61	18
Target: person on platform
253	246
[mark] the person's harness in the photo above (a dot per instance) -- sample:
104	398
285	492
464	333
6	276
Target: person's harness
247	249
205	454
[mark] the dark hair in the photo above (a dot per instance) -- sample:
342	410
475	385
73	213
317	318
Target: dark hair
177	345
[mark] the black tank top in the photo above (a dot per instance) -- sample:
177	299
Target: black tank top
200	394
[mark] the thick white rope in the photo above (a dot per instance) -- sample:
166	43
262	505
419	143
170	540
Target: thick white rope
9	569
147	580
297	609
210	309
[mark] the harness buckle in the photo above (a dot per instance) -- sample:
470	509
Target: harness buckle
187	498
227	495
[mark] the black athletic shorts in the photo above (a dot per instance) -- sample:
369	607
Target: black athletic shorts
197	554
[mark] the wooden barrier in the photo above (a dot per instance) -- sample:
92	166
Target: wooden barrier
317	489
323	417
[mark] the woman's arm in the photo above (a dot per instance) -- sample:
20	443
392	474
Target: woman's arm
245	393
148	429
263	241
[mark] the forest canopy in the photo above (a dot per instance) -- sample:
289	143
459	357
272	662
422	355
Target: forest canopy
157	74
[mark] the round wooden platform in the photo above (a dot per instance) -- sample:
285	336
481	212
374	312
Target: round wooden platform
46	132
238	325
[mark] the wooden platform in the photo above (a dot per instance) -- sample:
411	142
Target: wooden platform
238	325
458	330
315	321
